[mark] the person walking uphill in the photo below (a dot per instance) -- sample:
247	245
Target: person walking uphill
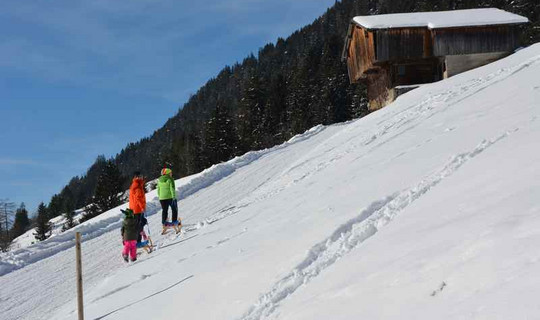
167	197
137	199
130	231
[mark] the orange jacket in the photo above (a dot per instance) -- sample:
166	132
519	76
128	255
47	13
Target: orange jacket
137	196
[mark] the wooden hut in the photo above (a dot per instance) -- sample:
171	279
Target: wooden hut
394	52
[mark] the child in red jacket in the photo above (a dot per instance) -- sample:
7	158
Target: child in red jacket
137	199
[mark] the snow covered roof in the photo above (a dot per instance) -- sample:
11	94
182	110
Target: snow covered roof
440	19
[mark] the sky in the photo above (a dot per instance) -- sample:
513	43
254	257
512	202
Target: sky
83	78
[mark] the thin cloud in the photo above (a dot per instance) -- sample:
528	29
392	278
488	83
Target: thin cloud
123	46
21	184
17	162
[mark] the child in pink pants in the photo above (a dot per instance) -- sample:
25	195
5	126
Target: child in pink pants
130	248
130	232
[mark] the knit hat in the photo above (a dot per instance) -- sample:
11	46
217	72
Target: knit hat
128	213
165	171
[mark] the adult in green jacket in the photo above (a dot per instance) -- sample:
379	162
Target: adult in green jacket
167	196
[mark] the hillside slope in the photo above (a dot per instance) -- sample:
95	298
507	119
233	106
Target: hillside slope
426	209
287	87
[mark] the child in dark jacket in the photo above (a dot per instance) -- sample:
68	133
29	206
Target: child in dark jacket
130	232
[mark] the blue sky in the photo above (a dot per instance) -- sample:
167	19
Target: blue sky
84	78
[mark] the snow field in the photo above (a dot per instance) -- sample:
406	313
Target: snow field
425	209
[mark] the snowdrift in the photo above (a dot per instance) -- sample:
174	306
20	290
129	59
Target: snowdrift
425	209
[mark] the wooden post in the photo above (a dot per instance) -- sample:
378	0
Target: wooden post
79	275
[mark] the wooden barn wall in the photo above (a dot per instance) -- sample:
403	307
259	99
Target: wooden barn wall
422	71
471	40
378	88
361	53
402	43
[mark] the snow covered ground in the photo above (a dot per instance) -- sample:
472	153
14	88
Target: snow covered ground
27	239
426	209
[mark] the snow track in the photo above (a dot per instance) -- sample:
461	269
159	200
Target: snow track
351	234
112	219
448	173
438	102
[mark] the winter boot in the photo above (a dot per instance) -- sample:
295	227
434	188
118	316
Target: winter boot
125	256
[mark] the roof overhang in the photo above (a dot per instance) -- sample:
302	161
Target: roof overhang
440	19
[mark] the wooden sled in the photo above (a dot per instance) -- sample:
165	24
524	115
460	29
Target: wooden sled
146	245
177	227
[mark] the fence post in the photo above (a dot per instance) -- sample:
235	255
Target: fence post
79	275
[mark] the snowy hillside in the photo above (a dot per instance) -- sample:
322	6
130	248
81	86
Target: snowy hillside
426	209
28	238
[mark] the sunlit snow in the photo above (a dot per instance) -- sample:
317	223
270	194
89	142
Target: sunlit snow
426	209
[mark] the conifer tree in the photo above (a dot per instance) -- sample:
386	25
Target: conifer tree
69	221
249	115
219	136
110	187
2	235
273	120
109	191
56	205
43	226
6	214
21	223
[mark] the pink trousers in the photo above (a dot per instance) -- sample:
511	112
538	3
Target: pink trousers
130	247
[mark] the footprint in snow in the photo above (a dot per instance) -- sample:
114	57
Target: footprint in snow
144	276
440	289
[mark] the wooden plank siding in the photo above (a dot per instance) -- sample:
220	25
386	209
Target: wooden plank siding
402	43
403	56
369	49
471	40
361	53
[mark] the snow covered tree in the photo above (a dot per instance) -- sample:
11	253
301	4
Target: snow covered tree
43	226
21	223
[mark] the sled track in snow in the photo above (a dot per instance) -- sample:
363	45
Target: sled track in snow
351	234
439	102
219	171
145	298
395	123
108	222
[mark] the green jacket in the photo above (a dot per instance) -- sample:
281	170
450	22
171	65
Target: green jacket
130	229
165	188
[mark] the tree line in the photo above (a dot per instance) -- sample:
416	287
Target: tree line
288	87
108	193
13	222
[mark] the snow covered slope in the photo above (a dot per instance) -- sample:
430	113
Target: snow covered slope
426	209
